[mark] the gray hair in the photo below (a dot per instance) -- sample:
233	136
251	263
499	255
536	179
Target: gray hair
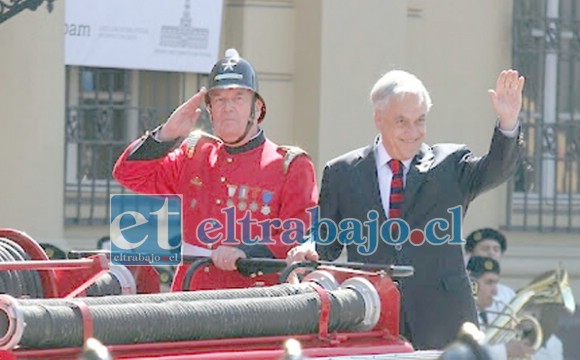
397	83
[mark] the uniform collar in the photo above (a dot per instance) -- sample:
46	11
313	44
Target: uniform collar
253	143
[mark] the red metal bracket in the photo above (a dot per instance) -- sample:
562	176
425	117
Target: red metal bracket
7	355
87	317
79	275
72	276
324	312
36	252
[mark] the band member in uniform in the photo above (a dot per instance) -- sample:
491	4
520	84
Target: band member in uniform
484	272
491	243
231	183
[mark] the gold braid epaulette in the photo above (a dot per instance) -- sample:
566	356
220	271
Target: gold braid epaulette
290	153
193	138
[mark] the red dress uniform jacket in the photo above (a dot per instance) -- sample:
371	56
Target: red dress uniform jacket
260	179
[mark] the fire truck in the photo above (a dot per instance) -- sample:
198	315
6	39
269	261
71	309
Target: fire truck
85	308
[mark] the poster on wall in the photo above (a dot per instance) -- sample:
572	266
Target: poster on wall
164	35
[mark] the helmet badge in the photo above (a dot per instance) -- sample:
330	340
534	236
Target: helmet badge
229	64
233	57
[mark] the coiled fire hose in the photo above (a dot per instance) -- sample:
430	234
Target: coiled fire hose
18	283
44	325
107	284
28	283
161	298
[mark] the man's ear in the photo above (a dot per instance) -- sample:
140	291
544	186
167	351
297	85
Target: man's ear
258	107
377	119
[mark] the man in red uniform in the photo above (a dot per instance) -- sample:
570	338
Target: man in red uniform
243	195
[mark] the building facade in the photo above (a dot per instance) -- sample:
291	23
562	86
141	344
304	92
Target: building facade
317	61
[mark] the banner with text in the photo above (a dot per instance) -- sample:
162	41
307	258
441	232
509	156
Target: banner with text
165	35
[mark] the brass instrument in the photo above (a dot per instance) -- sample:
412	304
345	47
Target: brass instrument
514	322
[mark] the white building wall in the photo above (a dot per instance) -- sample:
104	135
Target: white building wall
32	100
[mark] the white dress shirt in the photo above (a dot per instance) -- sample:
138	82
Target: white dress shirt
497	351
505	294
385	174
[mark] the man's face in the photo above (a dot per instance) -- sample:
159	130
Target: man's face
487	248
230	111
486	289
401	122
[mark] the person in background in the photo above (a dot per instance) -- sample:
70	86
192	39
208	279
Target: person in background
485	273
490	243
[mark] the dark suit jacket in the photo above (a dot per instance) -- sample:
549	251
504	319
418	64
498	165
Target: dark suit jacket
438	298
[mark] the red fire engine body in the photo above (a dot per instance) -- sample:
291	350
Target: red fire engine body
67	280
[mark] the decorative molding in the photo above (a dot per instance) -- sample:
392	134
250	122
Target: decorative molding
286	4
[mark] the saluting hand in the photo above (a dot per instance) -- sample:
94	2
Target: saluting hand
183	119
507	98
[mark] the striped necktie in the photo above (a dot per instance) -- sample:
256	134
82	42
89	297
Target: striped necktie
397	188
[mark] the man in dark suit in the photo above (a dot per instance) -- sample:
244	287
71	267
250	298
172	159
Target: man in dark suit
422	184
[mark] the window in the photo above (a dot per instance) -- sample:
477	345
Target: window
106	110
545	193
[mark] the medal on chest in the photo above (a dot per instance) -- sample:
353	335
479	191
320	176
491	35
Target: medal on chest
243	196
266	199
231	193
254	192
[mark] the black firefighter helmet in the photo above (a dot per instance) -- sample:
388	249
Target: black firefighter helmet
234	71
